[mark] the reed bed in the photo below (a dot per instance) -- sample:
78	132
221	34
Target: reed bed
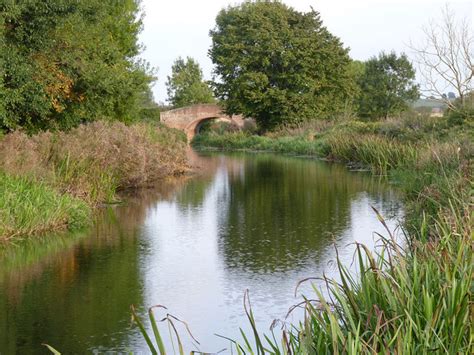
379	153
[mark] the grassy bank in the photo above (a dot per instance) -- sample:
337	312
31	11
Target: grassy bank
414	299
427	157
28	208
52	180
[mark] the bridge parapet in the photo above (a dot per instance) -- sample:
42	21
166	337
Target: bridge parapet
190	118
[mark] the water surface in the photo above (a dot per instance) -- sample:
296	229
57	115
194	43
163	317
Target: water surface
259	222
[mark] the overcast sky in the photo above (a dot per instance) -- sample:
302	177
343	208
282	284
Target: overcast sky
181	27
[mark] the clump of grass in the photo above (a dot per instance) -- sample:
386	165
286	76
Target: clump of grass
158	346
32	208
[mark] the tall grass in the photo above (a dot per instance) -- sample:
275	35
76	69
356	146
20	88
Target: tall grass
379	153
93	161
31	208
50	171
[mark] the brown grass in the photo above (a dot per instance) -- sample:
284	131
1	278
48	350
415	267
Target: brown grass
93	161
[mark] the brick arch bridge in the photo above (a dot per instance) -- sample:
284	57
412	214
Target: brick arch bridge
190	119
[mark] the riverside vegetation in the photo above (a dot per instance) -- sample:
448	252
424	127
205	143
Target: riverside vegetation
50	180
74	97
410	299
68	63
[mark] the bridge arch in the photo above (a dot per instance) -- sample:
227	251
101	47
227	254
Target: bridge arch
189	119
195	126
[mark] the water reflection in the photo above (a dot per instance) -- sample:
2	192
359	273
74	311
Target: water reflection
261	222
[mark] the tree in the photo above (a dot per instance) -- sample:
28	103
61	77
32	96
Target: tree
446	58
356	69
387	86
278	65
460	111
185	86
66	62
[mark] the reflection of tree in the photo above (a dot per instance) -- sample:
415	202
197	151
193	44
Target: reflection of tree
75	293
283	211
208	166
193	193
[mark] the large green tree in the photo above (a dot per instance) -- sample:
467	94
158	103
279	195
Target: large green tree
278	65
186	86
63	62
387	86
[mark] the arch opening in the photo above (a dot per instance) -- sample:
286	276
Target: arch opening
206	121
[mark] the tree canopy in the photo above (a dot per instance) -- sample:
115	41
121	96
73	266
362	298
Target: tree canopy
64	62
185	86
278	65
387	86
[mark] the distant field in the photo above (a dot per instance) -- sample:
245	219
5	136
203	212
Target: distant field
428	103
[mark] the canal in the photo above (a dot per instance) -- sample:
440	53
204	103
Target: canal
260	222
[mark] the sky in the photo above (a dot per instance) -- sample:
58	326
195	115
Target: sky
181	27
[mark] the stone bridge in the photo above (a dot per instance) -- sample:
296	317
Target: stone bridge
190	119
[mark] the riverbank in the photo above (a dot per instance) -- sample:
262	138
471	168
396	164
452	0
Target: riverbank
53	180
404	300
427	157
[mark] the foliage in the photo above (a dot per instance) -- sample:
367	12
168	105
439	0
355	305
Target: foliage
462	110
66	62
149	109
278	65
185	86
356	70
387	86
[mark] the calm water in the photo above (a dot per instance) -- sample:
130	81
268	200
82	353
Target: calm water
257	222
